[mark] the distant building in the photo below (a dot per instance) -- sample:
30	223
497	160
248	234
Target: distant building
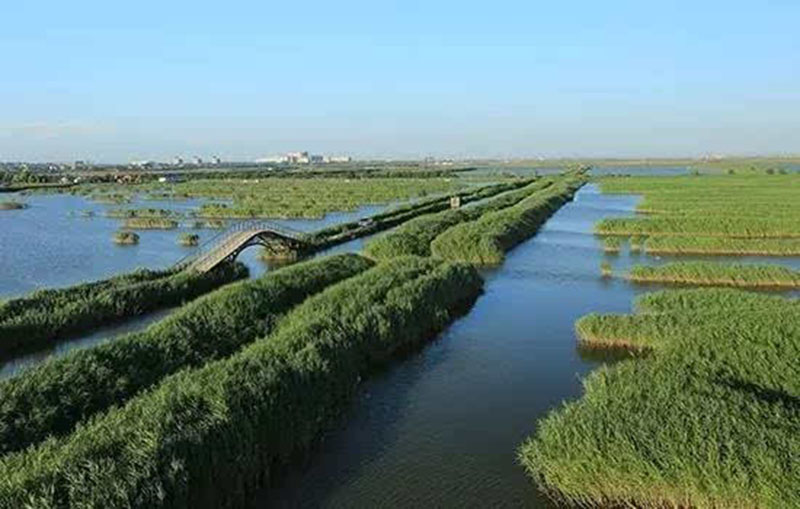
316	159
297	158
198	160
216	160
338	159
178	161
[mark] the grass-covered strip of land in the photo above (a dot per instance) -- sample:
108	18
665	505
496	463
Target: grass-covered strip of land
144	213
385	220
721	246
209	437
710	226
485	240
415	236
710	418
51	398
717	274
32	322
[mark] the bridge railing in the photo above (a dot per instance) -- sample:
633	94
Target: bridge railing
234	228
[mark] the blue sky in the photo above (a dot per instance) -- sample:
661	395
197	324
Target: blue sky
118	81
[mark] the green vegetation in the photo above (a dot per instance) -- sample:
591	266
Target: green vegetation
51	398
606	270
709	418
298	197
612	244
37	320
188	239
719	274
215	224
12	205
125	238
722	246
485	240
145	213
752	206
385	220
415	236
209	437
637	243
150	223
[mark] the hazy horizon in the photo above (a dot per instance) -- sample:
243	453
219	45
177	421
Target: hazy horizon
401	80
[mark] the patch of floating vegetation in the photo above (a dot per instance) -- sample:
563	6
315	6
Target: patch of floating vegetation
238	419
214	224
188	239
709	418
125	238
142	213
50	399
12	205
717	274
612	244
150	223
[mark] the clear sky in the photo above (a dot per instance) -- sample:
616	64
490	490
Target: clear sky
119	81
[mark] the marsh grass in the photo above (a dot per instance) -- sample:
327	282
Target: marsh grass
485	240
52	398
722	246
189	239
210	437
149	223
708	419
717	274
45	317
125	238
12	205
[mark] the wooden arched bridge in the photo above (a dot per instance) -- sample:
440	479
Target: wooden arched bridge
227	245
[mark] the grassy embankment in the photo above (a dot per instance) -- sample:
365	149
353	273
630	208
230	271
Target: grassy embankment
149	223
708	418
52	398
485	240
415	236
209	437
37	320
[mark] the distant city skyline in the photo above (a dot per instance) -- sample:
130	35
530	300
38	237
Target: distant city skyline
400	80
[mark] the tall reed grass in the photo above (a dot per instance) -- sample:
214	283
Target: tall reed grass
709	418
210	437
46	317
717	274
52	398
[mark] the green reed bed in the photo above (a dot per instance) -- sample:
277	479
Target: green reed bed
47	317
12	205
722	246
709	418
302	197
50	399
149	223
210	437
383	221
717	274
613	244
709	226
188	239
486	240
142	213
125	238
415	236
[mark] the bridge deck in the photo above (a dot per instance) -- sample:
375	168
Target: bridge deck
236	238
